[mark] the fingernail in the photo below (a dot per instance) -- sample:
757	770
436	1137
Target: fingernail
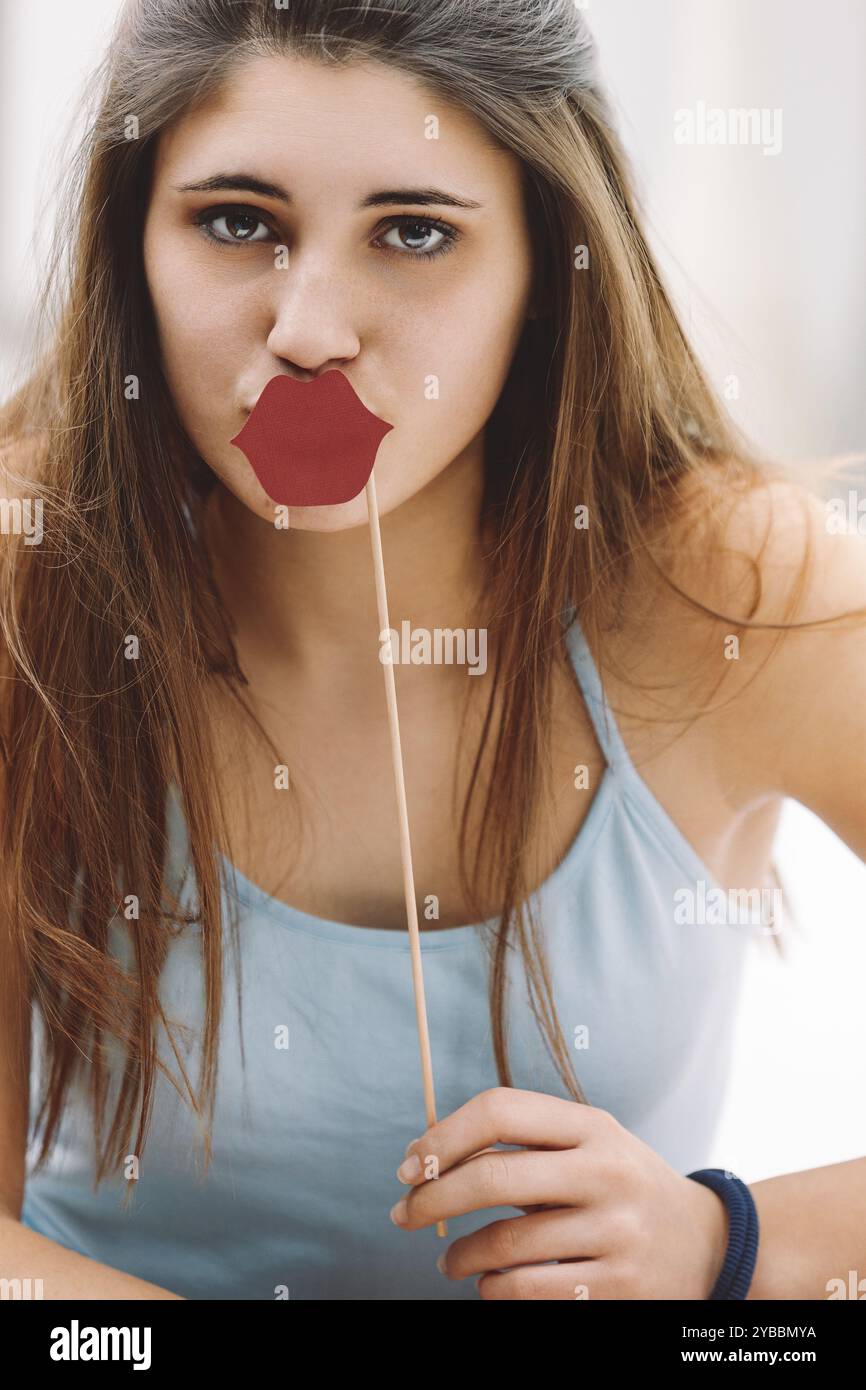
399	1212
409	1169
408	1147
440	1263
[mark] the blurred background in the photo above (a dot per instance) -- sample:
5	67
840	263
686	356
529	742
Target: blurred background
763	255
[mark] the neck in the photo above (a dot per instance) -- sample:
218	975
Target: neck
304	602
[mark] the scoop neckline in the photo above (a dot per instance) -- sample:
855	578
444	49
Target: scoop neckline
253	897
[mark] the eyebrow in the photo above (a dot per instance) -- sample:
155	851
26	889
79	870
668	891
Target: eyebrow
248	183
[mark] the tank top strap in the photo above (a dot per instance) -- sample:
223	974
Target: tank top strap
603	722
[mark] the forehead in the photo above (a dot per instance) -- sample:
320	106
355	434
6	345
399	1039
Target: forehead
324	127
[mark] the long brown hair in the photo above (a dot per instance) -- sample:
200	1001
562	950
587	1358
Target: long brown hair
605	406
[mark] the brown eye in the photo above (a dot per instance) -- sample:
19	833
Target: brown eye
419	229
232	226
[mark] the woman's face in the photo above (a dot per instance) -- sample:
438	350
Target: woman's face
425	340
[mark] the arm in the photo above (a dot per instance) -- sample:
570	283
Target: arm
812	1230
65	1273
807	713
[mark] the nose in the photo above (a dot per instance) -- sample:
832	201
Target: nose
314	307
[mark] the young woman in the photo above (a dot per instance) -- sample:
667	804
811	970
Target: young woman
431	200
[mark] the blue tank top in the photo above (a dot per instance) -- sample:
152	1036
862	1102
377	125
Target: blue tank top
319	1083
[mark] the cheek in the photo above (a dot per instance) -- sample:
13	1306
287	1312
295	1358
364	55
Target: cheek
199	369
469	356
199	330
467	364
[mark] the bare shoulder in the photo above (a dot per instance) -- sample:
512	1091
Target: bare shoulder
718	624
741	546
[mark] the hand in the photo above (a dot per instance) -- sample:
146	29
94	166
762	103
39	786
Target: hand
618	1220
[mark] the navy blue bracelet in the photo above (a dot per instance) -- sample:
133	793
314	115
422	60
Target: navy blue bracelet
742	1253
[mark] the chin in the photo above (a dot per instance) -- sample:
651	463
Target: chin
344	516
341	516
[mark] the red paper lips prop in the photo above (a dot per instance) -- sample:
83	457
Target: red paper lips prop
311	444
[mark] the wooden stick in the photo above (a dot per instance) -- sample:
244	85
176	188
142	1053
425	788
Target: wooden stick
403	814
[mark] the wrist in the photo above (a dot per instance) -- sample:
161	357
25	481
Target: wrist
711	1220
778	1271
735	1278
